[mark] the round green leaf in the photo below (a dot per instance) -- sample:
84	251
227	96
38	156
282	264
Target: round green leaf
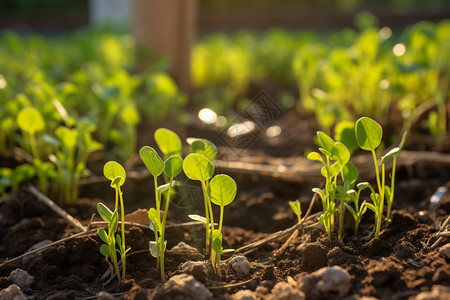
345	132
223	190
168	142
173	166
198	167
113	169
350	172
203	146
30	120
152	160
340	153
104	212
368	133
104	250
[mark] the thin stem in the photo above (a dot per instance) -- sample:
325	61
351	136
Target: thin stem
391	197
221	218
377	172
122	216
33	145
207	226
341	219
163	227
381	203
158	219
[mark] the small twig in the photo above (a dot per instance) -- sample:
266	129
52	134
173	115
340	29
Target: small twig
280	234
286	244
73	221
115	294
8	261
230	285
441	233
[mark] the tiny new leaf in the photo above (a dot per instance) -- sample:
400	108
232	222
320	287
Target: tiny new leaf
168	142
198	167
223	190
113	169
368	133
152	160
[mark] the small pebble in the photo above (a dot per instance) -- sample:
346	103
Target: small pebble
183	286
285	291
21	278
437	292
12	292
104	296
240	264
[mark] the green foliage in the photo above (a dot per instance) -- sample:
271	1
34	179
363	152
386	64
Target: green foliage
152	160
204	147
368	134
116	173
168	142
223	190
198	167
297	209
30	120
173	166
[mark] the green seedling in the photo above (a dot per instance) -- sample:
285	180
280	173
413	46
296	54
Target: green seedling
116	173
30	121
359	210
198	167
155	165
204	147
168	142
337	152
297	209
171	168
369	134
389	191
223	191
109	248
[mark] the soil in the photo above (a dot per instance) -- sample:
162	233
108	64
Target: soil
399	265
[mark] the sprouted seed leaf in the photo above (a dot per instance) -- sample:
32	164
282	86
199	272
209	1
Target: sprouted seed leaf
152	160
112	169
315	156
30	120
326	142
104	250
153	248
198	167
104	212
173	166
340	153
368	133
223	190
394	151
203	146
103	235
168	142
350	172
198	218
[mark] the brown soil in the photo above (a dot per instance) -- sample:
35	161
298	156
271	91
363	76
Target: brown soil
398	265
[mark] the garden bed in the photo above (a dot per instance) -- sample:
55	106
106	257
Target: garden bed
403	263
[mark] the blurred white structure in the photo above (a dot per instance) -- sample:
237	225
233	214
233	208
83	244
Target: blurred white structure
109	12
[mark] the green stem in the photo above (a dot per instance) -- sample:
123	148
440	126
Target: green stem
341	219
158	219
377	172
122	216
207	226
391	197
163	229
33	145
381	202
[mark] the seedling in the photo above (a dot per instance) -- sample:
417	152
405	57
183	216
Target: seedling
116	173
109	248
223	191
171	168
359	210
168	142
338	152
204	147
198	167
369	134
297	209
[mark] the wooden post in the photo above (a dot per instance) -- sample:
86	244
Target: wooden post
167	27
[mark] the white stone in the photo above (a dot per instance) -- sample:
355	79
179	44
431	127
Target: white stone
437	292
12	292
333	279
285	291
240	264
21	278
190	287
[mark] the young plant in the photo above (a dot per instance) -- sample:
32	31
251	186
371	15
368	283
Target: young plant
359	210
198	167
168	142
338	152
297	209
369	134
223	191
172	167
109	248
116	173
155	165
